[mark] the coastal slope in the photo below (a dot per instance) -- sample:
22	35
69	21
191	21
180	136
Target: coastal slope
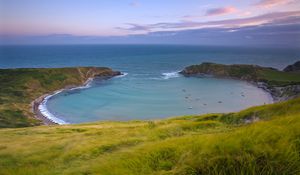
258	140
20	87
282	85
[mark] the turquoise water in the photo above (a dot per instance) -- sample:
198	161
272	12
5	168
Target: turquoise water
129	98
152	88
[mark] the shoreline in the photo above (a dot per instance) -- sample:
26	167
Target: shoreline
278	84
39	104
42	100
277	93
40	110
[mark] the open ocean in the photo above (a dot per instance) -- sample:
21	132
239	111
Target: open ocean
151	87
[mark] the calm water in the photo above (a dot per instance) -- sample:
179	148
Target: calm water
151	89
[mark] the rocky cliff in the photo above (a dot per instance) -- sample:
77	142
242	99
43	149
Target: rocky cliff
293	68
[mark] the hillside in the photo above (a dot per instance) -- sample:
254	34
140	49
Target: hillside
293	68
282	85
258	140
19	87
245	72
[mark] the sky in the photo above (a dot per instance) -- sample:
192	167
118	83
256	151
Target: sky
146	21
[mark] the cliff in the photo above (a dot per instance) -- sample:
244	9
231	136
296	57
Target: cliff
282	85
19	87
293	68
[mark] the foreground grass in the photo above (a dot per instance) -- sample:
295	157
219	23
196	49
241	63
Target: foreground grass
206	144
19	87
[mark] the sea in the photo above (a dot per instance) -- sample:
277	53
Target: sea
150	87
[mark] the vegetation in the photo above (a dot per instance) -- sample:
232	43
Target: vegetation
254	73
258	140
19	87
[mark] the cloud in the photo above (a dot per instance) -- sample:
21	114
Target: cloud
135	27
134	4
264	35
220	11
275	17
271	3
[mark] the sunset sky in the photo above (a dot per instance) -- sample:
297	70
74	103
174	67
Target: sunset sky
104	18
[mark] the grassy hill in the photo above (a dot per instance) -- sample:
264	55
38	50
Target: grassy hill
19	87
271	76
258	140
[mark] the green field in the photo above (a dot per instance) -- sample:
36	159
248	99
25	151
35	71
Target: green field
280	78
253	73
194	145
19	87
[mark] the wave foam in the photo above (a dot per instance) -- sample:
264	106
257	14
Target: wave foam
43	105
122	75
87	84
45	112
169	75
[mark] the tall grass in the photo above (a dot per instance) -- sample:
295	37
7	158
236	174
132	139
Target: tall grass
205	144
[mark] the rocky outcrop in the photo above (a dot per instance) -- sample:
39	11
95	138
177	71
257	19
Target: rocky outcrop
281	93
293	68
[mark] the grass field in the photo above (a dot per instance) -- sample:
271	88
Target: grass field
280	78
188	145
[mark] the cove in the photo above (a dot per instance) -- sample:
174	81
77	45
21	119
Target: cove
142	97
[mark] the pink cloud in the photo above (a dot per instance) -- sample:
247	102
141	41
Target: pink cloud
271	3
220	11
276	18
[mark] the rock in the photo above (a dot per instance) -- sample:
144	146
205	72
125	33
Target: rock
293	68
285	93
251	119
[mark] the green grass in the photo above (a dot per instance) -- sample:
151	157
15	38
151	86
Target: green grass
19	87
259	140
280	78
194	145
246	72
